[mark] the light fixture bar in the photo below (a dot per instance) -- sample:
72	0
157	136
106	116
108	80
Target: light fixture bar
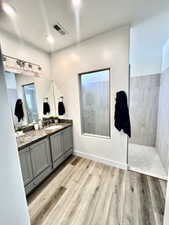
10	57
20	65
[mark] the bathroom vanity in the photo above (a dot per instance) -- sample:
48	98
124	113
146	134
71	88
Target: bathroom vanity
42	151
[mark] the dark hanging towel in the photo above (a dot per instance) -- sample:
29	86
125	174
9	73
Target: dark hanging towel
46	108
61	107
122	118
19	113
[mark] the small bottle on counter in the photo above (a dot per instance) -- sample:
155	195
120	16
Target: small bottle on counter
40	124
36	126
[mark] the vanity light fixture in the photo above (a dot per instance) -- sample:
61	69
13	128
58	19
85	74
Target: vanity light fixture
19	66
29	65
8	9
20	63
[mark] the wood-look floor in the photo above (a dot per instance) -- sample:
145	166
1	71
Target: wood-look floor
85	192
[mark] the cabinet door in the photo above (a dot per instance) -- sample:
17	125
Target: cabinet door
67	139
41	158
26	165
57	146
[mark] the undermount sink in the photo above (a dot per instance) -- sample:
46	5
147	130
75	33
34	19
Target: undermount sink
54	127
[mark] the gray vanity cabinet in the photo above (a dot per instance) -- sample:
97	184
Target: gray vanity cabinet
56	145
61	146
67	139
41	160
26	165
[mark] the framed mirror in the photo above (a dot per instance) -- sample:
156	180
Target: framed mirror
33	91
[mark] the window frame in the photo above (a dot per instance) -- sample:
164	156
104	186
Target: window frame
80	102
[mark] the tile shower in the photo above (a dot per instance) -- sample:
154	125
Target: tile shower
148	144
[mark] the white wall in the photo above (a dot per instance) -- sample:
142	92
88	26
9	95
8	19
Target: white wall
13	207
44	89
165	68
165	63
147	40
162	141
18	48
163	112
106	50
166	215
163	128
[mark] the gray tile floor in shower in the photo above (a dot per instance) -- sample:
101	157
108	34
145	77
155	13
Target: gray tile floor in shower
145	159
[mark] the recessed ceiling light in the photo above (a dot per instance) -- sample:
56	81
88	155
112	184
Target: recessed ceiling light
50	39
9	10
76	3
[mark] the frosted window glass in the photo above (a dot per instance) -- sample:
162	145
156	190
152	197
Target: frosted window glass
30	100
95	103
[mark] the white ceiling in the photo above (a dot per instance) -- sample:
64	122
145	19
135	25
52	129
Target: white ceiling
35	18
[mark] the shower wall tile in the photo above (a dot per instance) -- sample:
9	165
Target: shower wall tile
162	143
144	97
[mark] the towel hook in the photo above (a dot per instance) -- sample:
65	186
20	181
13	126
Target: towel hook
61	98
45	99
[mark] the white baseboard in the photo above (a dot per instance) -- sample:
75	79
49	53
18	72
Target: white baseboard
101	160
113	163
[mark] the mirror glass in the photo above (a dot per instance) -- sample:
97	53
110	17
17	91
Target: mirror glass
33	92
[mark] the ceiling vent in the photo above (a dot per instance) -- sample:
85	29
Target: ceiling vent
59	29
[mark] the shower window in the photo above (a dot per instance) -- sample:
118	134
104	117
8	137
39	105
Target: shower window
95	102
30	102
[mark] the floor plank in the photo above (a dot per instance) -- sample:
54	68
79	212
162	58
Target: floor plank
131	204
84	192
157	198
